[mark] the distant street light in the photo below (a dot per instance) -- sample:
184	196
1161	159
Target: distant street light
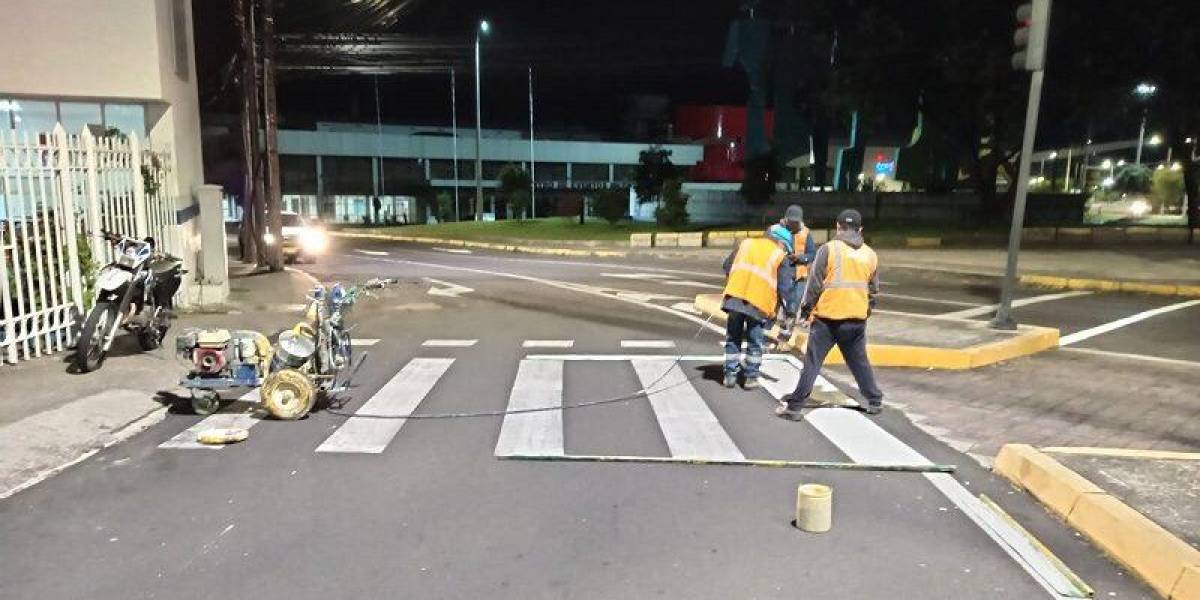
1155	140
484	27
1107	164
1144	91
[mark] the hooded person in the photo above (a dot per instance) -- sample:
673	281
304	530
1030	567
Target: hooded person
760	279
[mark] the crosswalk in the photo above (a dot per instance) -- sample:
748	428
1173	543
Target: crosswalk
533	422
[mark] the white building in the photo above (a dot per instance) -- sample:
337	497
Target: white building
124	64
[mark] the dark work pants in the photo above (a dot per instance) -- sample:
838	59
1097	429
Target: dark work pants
850	336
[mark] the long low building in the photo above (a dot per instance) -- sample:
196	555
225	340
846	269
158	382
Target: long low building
336	170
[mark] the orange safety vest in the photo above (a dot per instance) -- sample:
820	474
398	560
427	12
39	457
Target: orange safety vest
754	276
848	274
801	241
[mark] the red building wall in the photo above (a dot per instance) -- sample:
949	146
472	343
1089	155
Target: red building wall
722	129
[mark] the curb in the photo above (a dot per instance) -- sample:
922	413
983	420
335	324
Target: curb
1030	340
483	245
1111	285
1168	564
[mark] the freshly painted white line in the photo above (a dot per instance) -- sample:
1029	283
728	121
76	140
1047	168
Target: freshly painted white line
690	428
363	341
694	284
1142	357
687	307
450	290
709	358
187	439
449	343
990	308
1079	336
399	396
539	384
548	344
930	300
865	442
371	252
647	344
780	377
454	250
644	297
636	275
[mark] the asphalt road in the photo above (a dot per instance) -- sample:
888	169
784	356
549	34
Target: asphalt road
423	508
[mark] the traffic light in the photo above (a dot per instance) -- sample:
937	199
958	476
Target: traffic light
1033	22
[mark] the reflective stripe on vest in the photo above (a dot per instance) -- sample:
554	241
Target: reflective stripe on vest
847	281
801	243
754	275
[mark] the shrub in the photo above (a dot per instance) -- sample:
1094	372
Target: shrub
673	211
611	204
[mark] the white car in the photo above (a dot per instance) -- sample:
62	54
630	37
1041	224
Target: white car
302	239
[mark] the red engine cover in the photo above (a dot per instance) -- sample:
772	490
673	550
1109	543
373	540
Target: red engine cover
209	361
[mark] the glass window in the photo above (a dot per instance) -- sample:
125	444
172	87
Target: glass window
34	116
75	116
129	118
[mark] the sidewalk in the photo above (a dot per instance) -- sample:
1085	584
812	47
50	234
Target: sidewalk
1180	265
52	416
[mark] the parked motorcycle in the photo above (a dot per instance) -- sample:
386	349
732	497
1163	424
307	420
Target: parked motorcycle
134	292
315	356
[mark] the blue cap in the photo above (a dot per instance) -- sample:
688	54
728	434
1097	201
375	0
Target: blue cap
780	233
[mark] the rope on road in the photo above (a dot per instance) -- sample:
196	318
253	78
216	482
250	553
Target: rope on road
642	393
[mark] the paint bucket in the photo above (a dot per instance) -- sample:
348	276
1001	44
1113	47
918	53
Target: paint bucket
814	507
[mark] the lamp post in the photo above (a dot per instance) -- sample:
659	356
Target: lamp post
483	29
1144	91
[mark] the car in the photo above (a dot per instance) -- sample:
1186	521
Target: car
303	239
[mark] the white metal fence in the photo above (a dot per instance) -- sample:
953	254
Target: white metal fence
57	192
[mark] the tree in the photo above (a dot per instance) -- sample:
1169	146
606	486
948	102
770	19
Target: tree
654	168
1132	179
611	204
758	181
673	212
445	206
1166	187
515	189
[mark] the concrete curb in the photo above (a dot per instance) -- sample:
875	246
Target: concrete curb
1162	560
483	245
1030	340
1111	285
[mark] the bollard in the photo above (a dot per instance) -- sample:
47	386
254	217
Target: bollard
814	507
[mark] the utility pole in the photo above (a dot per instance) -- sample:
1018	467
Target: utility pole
454	131
532	163
251	234
1033	21
274	197
479	209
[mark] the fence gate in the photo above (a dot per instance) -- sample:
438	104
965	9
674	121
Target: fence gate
57	192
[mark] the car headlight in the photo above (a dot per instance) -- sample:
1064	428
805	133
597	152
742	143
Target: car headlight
313	241
1139	208
269	239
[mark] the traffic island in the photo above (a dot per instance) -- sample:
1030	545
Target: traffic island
899	339
1116	515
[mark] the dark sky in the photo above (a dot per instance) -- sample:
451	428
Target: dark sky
590	58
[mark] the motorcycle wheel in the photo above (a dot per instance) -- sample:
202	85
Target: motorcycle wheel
90	352
205	402
287	394
151	336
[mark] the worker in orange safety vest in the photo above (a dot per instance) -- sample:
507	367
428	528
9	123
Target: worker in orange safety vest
760	282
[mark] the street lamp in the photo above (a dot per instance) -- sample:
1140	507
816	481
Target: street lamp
1145	91
1155	140
483	29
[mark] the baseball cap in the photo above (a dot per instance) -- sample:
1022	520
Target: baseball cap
794	214
850	218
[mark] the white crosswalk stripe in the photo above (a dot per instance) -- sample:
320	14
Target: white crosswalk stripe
647	344
539	384
365	432
449	343
244	419
691	429
548	344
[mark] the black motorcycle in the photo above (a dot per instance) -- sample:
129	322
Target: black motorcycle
134	292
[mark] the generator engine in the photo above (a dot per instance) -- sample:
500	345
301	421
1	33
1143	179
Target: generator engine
240	356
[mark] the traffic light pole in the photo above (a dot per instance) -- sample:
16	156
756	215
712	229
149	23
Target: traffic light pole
1004	318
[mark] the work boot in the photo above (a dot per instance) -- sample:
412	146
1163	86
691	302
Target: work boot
730	380
785	412
870	408
751	383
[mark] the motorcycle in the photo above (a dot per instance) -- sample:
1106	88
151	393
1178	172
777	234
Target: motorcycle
134	292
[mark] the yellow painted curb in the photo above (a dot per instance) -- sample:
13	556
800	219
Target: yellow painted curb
1166	563
923	242
1056	486
1110	285
1031	340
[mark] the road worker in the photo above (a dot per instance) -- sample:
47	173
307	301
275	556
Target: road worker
838	299
760	280
804	247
